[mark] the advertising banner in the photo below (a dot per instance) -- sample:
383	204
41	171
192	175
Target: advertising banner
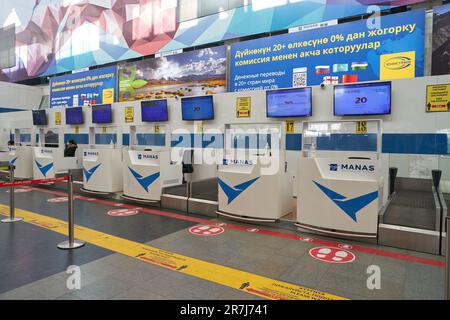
56	36
441	41
96	86
190	73
350	52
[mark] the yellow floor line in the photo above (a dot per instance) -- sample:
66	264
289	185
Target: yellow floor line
230	277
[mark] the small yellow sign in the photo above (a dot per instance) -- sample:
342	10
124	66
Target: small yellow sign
198	127
290	127
108	95
156	128
103	129
58	118
77	130
438	98
243	107
398	65
129	114
361	127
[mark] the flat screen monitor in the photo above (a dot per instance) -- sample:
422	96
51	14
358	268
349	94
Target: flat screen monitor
74	115
101	113
295	102
154	111
39	117
362	99
197	108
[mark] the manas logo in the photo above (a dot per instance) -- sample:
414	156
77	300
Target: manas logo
397	63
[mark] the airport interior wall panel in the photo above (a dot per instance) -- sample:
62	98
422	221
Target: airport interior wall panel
407	132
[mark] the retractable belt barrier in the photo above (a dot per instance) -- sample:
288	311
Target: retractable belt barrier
31	182
69	244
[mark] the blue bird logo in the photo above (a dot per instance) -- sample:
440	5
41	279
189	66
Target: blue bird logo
44	169
88	173
233	192
145	182
349	206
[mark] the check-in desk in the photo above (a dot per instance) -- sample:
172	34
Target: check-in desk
21	158
339	196
250	191
102	170
49	161
147	173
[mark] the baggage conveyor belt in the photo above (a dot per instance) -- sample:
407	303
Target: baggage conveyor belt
412	208
203	190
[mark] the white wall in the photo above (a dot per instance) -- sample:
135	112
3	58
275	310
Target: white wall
19	96
408	116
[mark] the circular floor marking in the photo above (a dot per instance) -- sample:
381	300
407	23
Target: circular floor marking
122	212
57	200
332	255
20	190
206	230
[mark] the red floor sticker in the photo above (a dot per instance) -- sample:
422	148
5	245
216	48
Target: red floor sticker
122	212
220	224
345	246
206	230
332	255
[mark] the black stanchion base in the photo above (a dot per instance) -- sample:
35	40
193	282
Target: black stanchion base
66	245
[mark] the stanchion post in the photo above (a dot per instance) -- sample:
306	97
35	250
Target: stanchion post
12	208
71	243
447	259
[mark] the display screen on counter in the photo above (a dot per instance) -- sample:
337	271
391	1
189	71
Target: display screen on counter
74	115
39	118
362	99
197	108
289	103
102	113
154	111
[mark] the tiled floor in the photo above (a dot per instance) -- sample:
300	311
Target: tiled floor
32	267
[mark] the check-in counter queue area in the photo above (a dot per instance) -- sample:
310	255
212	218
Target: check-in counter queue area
313	154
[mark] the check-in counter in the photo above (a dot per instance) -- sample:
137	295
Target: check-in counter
339	196
21	157
254	183
147	173
102	168
252	191
49	161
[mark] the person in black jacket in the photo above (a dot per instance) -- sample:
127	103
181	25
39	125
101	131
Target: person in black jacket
70	149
